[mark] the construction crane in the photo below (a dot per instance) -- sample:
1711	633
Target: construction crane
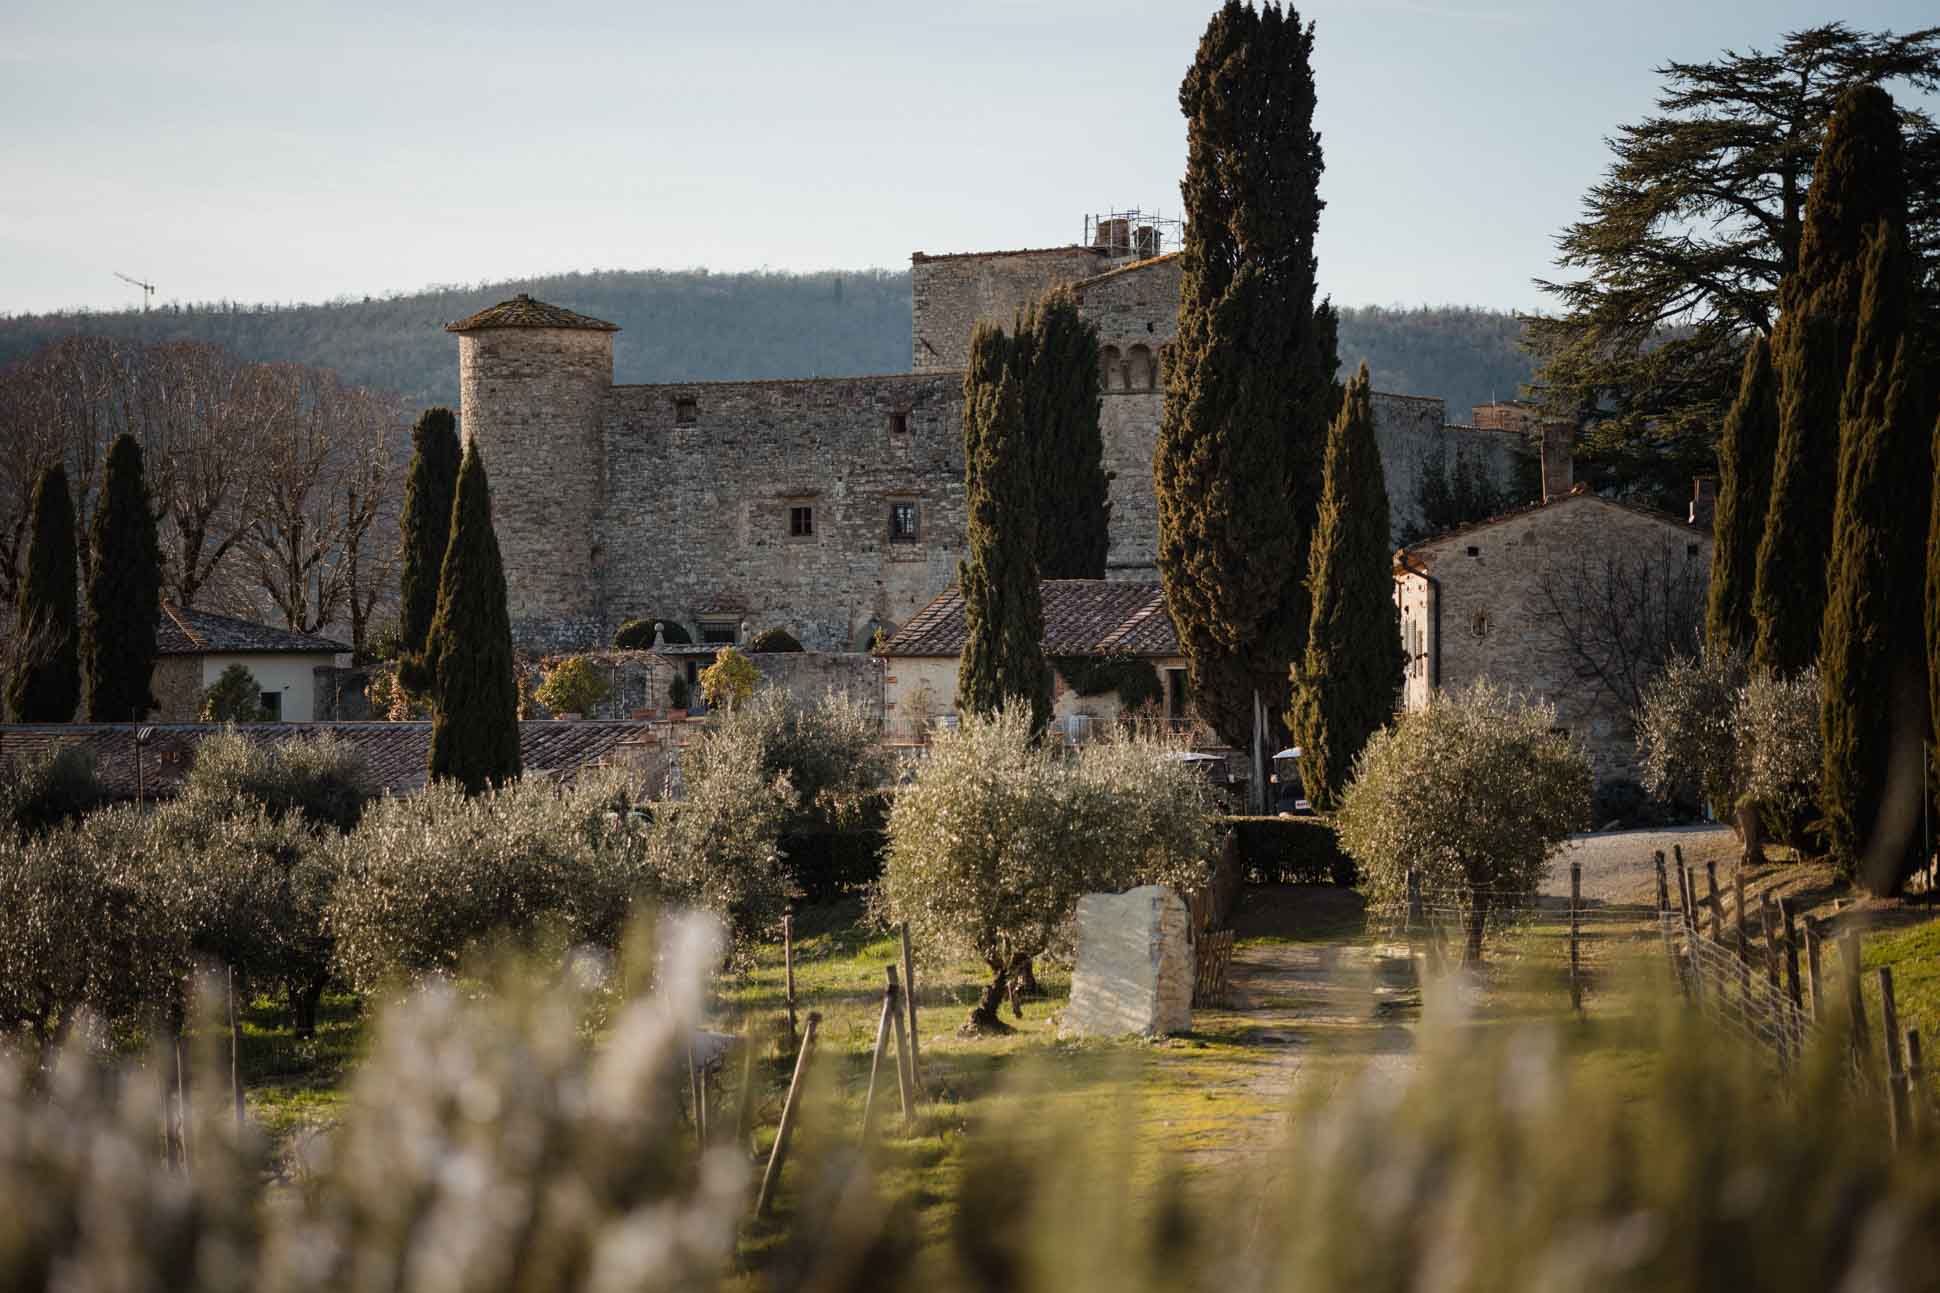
147	289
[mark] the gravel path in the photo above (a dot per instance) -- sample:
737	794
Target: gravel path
1618	866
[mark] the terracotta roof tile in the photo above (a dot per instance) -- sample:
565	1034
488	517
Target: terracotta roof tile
1134	267
397	753
1081	617
192	632
524	312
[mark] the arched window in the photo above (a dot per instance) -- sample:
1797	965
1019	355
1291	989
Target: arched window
1138	369
1111	370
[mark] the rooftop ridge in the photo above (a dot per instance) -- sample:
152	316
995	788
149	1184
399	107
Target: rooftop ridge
522	311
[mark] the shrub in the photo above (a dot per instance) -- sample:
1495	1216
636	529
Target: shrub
1784	754
730	680
719	847
1688	730
235	697
322	778
770	641
1290	850
1133	678
426	879
576	685
679	692
1475	790
45	790
993	843
829	752
637	634
82	925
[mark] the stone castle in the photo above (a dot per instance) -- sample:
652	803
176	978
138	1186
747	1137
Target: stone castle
832	507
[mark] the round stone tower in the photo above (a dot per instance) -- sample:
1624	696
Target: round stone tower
532	380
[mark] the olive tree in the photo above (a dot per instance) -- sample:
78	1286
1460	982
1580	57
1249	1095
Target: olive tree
1475	791
998	836
1690	740
1783	749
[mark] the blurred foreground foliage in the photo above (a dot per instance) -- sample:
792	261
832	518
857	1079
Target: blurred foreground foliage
534	1137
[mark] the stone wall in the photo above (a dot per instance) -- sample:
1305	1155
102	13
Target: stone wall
704	483
950	295
343	694
177	687
1415	440
1136	311
1496	619
531	399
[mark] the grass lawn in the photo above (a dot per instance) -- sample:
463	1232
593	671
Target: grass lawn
1913	954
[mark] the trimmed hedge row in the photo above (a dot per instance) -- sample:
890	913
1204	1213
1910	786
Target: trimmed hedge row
1290	850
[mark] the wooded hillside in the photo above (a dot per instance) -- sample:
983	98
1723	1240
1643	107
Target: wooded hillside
691	325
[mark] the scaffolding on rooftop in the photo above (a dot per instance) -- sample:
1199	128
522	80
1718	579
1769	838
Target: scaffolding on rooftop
1135	234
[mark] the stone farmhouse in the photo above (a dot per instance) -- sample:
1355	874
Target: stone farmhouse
832	507
1532	600
1097	618
193	648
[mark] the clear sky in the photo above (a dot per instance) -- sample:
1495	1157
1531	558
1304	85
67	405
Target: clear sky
265	151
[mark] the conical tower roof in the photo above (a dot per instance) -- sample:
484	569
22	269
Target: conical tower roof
524	312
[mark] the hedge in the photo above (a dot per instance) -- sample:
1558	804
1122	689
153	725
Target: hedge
1290	850
637	634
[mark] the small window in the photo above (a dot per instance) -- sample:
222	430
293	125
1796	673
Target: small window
899	424
273	706
1474	551
718	633
687	409
801	522
903	526
1690	549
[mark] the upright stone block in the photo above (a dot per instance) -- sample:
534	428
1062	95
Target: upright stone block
1135	965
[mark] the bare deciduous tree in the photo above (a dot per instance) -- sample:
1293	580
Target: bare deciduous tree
1617	617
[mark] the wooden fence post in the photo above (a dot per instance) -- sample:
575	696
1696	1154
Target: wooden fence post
1576	935
1744	937
1663	885
889	1007
772	1177
1768	930
1889	1020
1920	1108
1793	987
788	968
909	995
1717	904
1687	893
1855	1001
1812	968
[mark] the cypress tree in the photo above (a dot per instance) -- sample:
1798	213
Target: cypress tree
426	526
46	682
1872	667
1250	388
124	592
1058	354
1857	180
1344	686
1003	651
1745	450
1933	595
475	699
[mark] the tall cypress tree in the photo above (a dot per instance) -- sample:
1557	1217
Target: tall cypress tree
1745	449
1857	180
475	698
1344	686
1003	651
124	592
46	682
1058	361
426	525
1250	389
1872	667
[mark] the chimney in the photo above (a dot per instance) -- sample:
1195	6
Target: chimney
1559	471
1704	502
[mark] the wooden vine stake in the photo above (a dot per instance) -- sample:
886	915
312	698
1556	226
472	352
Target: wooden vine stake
909	996
905	1059
1889	1015
788	969
883	1030
1576	935
789	1110
235	1051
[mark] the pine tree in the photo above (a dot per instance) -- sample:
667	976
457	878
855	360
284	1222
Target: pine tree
1857	181
124	592
1058	364
1344	686
1871	666
475	698
1745	448
1003	651
1250	388
46	682
426	527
